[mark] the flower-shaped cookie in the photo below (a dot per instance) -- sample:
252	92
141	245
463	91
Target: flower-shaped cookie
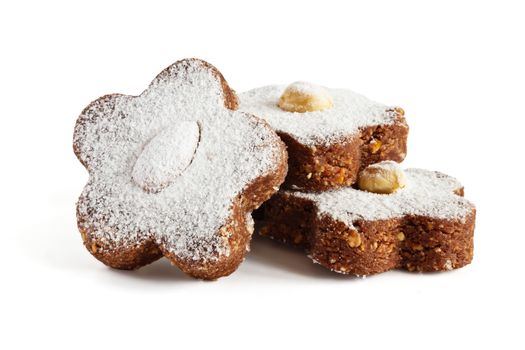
331	134
425	225
175	171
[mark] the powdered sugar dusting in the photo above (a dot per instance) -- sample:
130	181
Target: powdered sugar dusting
349	113
388	165
427	193
233	150
308	89
166	156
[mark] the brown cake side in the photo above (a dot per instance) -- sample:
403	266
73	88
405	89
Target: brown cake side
321	167
412	242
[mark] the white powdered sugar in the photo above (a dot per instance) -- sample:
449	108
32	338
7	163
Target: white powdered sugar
166	156
349	113
388	165
427	193
309	89
120	139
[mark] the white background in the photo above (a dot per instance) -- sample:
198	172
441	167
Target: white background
457	68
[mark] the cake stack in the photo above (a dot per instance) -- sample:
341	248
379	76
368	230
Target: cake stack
346	200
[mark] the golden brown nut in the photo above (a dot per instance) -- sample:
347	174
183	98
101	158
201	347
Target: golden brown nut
384	177
305	97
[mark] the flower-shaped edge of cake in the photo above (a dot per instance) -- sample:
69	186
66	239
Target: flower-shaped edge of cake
337	134
425	226
175	172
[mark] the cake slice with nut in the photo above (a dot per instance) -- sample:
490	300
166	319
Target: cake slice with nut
331	134
416	220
